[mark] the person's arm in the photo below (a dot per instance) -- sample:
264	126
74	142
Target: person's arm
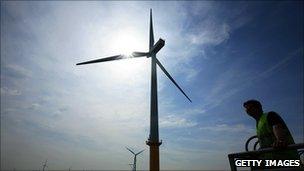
278	127
280	135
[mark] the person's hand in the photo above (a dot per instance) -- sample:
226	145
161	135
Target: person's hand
279	144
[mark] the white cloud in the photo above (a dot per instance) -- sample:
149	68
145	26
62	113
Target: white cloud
213	35
9	91
34	106
227	128
172	121
193	111
18	71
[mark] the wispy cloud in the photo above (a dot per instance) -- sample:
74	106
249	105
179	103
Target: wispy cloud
172	121
236	79
9	91
17	71
279	64
214	35
34	106
228	128
193	111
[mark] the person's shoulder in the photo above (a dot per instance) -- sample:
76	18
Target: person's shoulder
272	113
274	118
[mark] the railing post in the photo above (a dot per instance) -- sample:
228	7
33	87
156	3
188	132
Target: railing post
231	162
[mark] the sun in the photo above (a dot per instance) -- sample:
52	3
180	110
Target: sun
124	42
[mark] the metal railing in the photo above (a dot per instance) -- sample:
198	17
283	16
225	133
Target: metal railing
254	154
255	144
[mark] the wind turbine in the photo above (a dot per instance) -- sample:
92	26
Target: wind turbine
131	165
44	165
153	140
134	159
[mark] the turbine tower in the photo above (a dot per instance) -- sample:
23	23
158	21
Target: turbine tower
153	140
134	159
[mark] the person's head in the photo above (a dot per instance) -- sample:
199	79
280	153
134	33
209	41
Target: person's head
253	108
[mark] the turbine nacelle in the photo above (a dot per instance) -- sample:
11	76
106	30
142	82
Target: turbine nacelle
157	46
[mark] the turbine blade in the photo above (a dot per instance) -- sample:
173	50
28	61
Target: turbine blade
130	150
140	54
139	152
111	58
169	76
151	32
116	57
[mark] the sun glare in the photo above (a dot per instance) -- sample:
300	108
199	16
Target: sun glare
125	42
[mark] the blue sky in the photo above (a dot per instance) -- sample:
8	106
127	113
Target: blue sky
221	53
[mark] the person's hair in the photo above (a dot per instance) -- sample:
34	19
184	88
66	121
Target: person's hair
253	102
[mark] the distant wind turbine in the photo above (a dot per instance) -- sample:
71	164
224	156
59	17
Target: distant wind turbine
44	165
134	159
131	165
153	140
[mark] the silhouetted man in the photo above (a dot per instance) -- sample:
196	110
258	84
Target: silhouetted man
271	131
